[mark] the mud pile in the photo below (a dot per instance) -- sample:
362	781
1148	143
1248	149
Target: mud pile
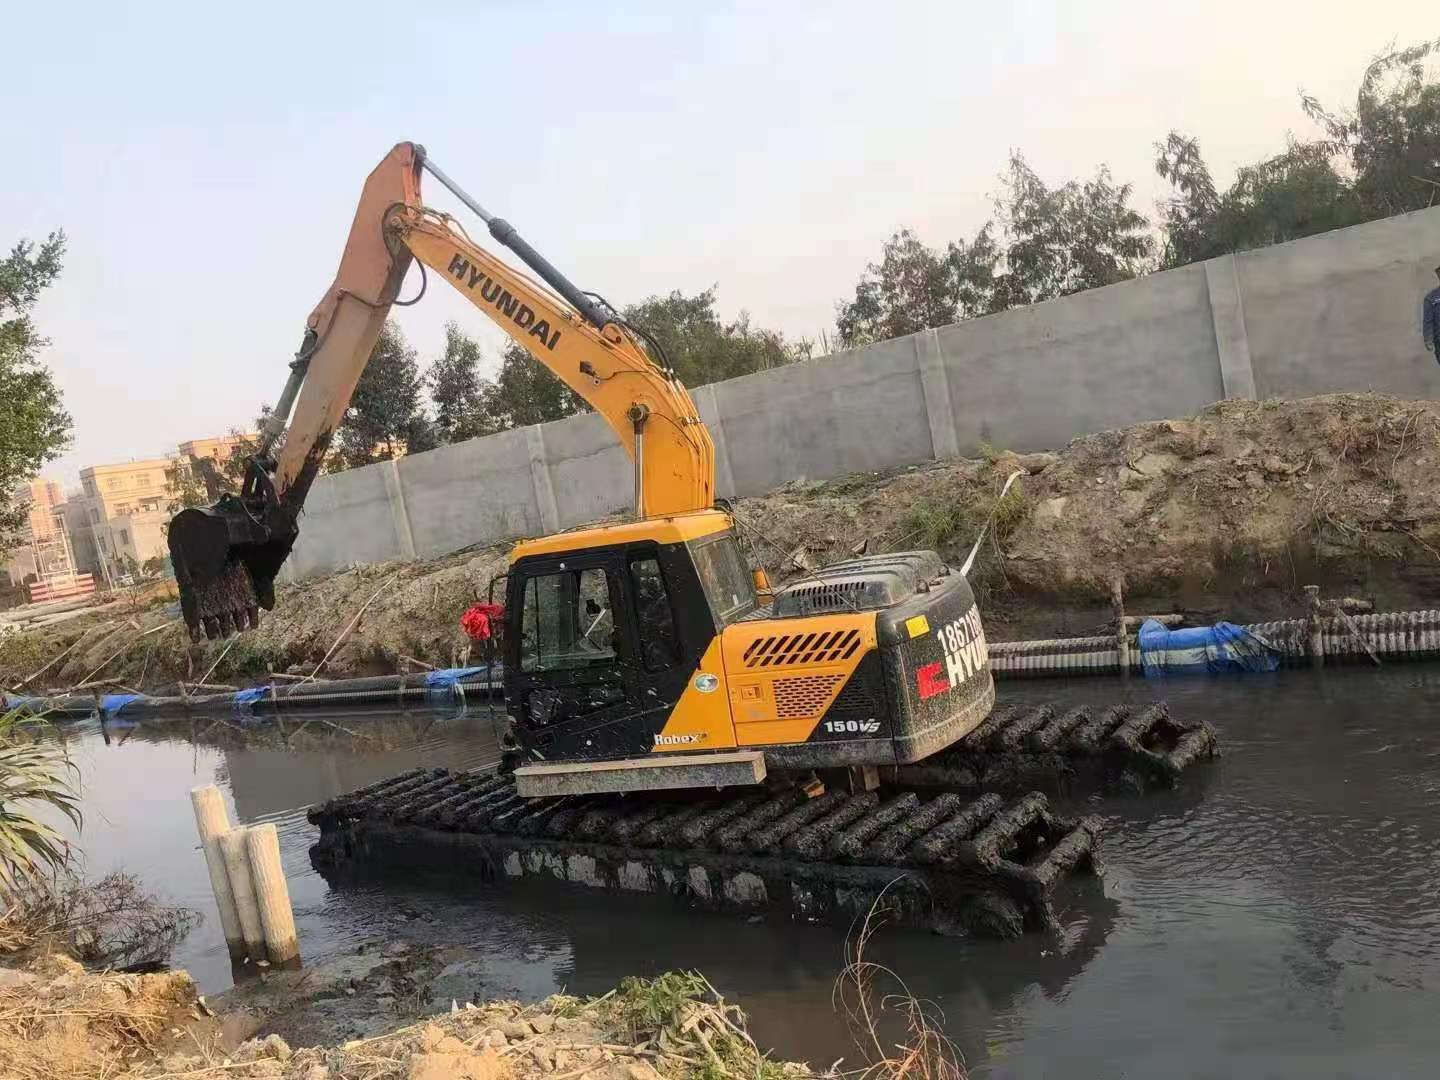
1224	515
58	1021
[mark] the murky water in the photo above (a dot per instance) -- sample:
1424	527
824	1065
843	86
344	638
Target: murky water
1277	916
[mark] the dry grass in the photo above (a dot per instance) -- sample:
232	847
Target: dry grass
111	923
925	1053
59	1023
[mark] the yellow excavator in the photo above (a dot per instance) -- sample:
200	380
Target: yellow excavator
637	655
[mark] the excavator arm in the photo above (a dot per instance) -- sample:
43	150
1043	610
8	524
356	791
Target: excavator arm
226	556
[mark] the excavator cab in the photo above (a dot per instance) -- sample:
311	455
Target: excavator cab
637	643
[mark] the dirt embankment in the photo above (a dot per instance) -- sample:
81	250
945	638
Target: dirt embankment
59	1022
1226	514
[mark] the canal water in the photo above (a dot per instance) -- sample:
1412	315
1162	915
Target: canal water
1279	915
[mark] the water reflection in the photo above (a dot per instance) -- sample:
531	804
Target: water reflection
1277	915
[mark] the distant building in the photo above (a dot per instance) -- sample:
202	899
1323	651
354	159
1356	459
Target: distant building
34	548
117	521
219	449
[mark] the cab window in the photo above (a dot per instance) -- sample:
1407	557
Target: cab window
567	622
724	577
659	643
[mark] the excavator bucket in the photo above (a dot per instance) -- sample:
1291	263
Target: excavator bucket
226	556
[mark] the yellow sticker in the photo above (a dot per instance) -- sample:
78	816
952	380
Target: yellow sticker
917	625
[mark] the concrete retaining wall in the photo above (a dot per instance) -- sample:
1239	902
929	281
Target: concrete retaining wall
1340	311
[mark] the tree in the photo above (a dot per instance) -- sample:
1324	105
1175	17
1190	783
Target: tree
699	346
1391	137
34	426
1064	240
1293	194
456	388
910	289
524	392
1046	242
385	402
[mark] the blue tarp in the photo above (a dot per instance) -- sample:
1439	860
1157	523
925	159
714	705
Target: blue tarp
251	695
436	680
111	704
1223	647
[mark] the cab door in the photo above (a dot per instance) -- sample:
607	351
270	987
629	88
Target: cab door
569	668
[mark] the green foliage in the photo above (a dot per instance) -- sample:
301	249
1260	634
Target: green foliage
35	777
937	523
384	404
1067	239
911	288
35	426
700	347
524	392
1046	242
1380	157
456	388
1391	138
1294	194
680	1010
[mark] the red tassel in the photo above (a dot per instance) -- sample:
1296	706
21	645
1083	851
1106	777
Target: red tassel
479	622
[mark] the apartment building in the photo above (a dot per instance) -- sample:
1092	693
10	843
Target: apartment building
39	547
117	521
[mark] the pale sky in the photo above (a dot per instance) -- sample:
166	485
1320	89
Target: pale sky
204	159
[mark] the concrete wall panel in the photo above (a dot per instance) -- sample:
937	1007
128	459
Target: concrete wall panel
474	492
1341	311
847	413
347	519
589	469
1034	378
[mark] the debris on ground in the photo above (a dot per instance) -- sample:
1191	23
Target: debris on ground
1223	515
59	1022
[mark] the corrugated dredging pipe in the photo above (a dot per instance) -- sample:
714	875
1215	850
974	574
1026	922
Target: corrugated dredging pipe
1398	635
444	687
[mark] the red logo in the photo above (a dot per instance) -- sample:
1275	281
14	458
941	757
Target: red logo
931	680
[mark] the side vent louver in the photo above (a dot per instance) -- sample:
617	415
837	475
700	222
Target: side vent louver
788	650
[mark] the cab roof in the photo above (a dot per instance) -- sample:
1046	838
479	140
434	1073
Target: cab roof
675	529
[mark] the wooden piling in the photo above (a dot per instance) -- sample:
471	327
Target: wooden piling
1314	624
237	865
272	895
213	822
1122	633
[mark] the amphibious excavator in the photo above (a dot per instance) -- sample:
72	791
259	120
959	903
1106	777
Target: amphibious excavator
638	654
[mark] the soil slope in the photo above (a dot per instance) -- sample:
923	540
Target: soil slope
1226	514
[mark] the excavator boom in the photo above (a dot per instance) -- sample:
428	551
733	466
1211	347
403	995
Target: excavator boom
226	556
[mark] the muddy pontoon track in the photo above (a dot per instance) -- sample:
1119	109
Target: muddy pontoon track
1053	747
946	862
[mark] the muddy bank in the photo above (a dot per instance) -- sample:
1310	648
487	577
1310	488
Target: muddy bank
1226	514
387	1013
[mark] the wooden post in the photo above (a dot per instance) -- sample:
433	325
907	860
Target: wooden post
277	918
1312	618
213	822
1122	634
237	865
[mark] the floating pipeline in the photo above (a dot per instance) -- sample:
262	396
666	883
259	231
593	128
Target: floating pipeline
1391	636
444	686
947	863
1054	748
